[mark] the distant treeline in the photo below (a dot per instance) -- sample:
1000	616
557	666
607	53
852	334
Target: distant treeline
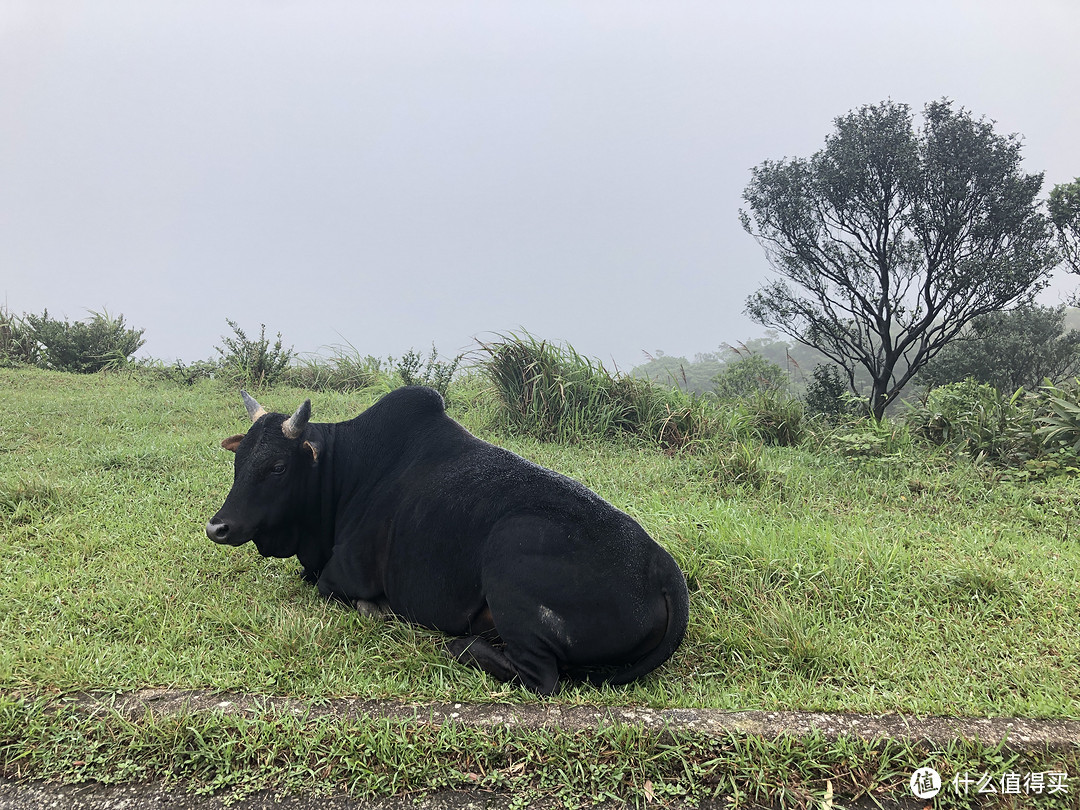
1007	350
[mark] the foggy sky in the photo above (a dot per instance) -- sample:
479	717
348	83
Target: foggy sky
392	174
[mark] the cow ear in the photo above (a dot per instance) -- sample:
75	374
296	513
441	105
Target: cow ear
232	442
313	447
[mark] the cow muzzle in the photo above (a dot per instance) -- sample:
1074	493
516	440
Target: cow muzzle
218	531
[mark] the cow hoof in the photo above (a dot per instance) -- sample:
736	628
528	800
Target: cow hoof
474	651
371	610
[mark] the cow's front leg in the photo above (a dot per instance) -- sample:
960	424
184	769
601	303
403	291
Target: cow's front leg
352	589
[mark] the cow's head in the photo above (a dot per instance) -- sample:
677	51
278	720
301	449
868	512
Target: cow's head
270	496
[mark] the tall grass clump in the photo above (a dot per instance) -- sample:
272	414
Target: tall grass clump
554	393
17	344
1057	416
759	391
728	464
774	417
345	371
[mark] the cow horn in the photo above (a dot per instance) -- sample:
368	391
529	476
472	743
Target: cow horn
293	427
254	409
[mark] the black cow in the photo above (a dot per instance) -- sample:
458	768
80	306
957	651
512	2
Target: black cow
402	511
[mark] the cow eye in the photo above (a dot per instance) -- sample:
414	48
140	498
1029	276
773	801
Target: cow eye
278	468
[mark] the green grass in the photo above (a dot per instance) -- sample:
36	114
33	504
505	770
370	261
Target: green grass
382	757
882	580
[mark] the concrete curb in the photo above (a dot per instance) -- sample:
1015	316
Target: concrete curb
1014	732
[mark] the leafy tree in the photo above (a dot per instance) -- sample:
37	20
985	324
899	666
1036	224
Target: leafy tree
749	375
694	376
889	241
1065	214
84	347
779	352
1009	350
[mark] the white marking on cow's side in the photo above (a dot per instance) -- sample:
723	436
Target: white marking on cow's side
554	622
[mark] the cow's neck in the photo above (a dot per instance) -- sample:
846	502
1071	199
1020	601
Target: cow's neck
316	543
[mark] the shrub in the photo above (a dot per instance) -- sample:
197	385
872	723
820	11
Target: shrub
863	439
1035	434
434	373
1059	416
1018	348
826	393
191	373
252	363
84	347
976	418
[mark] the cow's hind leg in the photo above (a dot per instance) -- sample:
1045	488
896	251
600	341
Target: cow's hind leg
540	676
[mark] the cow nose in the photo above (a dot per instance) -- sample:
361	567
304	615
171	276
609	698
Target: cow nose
217	530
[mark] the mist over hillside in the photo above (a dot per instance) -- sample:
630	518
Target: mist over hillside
696	374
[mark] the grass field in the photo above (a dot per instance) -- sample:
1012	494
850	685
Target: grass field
907	581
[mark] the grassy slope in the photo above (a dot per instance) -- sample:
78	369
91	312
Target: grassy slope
894	585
